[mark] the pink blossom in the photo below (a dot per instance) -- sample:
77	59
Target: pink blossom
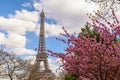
88	59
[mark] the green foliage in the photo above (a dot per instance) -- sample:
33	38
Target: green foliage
90	33
70	77
115	39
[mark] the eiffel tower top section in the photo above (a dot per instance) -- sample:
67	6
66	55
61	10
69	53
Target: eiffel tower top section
41	45
42	14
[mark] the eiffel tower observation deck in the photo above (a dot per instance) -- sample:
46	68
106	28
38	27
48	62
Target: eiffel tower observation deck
41	69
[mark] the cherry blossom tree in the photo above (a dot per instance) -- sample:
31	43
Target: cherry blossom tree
95	54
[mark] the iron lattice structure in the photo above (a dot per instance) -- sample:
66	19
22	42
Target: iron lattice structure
41	71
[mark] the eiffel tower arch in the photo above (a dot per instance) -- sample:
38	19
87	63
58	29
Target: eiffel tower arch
41	71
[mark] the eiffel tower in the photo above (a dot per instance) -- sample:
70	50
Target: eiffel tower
41	71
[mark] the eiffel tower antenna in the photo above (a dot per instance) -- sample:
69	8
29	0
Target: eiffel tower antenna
42	6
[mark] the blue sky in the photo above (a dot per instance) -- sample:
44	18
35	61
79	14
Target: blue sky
19	24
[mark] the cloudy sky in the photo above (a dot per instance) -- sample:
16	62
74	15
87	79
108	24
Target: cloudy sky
20	21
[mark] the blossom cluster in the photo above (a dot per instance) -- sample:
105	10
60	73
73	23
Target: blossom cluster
96	57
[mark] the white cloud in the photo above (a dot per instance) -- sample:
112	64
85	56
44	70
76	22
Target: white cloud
19	23
2	38
16	43
50	29
16	26
53	66
31	59
68	13
72	16
58	61
16	39
31	16
23	50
